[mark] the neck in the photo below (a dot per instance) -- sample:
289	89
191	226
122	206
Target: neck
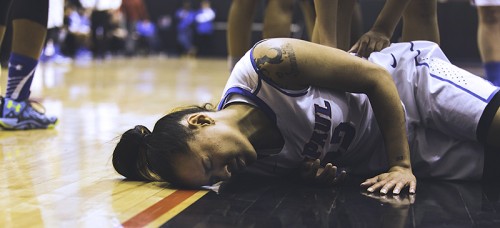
255	125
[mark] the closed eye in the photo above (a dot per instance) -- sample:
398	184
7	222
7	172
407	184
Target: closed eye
207	165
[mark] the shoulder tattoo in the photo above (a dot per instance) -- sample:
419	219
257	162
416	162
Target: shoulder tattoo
282	55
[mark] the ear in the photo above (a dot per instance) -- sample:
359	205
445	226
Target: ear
199	120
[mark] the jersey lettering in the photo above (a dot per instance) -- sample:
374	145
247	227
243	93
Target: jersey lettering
322	126
341	140
342	135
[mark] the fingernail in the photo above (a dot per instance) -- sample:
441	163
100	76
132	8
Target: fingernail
383	191
370	189
396	191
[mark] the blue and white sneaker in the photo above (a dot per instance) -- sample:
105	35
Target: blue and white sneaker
21	115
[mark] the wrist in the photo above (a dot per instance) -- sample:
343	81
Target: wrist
401	167
381	30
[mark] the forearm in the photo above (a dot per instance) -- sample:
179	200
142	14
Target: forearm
296	64
389	17
390	117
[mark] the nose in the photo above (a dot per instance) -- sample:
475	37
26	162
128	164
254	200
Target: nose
222	174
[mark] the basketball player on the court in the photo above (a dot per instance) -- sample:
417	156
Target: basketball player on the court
488	37
291	104
29	21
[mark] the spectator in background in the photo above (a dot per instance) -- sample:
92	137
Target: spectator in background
135	12
76	42
185	21
146	36
488	37
204	28
118	32
100	24
55	23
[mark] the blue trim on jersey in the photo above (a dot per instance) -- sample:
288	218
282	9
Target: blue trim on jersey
487	100
259	102
416	61
464	89
269	81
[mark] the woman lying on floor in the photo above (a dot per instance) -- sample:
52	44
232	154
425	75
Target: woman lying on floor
291	104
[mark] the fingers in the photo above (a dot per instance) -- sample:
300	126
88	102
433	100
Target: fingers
381	45
354	48
398	187
309	169
386	184
369	182
413	187
378	185
362	47
368	43
329	175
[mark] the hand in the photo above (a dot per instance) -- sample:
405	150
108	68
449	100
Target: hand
326	176
370	42
396	179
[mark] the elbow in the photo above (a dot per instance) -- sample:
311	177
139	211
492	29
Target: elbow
381	80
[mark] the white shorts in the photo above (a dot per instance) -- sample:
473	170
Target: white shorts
485	2
443	106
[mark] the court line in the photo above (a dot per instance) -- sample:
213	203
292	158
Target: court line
158	209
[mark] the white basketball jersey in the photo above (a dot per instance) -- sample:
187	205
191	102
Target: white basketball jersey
335	127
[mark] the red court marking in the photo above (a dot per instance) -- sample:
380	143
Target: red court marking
156	210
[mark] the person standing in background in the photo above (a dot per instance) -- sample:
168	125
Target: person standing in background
277	21
29	31
100	24
185	20
135	12
488	37
52	48
419	23
204	28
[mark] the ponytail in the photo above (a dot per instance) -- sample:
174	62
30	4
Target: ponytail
130	155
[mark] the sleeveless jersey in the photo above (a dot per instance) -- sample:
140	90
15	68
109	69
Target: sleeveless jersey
340	127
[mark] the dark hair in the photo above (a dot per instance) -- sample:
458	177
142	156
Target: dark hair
147	156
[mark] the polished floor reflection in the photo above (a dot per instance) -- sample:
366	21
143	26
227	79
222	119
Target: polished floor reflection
64	177
288	203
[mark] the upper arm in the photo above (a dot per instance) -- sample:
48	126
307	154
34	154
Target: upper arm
296	64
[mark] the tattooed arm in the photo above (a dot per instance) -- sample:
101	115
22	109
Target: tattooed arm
297	64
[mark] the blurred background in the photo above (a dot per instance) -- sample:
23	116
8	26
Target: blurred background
149	27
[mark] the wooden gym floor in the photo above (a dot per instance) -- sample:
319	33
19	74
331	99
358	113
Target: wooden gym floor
64	178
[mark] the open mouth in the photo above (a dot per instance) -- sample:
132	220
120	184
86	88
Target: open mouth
236	165
241	164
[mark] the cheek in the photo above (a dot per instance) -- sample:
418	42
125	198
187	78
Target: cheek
190	172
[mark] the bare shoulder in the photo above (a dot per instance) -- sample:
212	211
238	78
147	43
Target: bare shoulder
277	60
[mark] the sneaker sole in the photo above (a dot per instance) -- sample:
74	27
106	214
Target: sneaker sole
25	126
